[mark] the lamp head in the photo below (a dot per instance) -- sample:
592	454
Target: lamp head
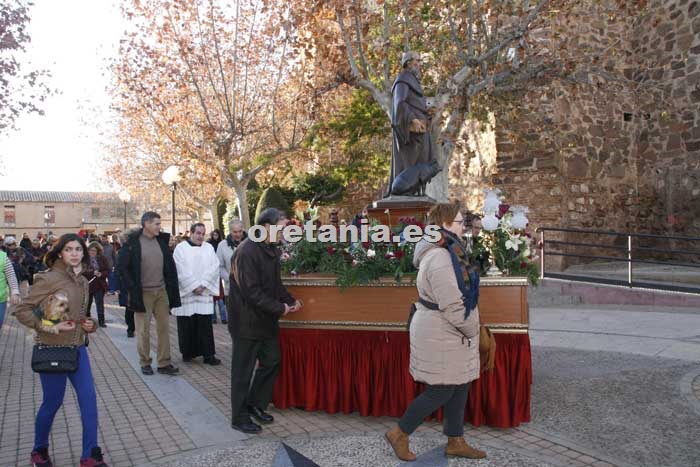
125	196
171	175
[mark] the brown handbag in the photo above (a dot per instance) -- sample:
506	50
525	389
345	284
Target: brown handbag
487	349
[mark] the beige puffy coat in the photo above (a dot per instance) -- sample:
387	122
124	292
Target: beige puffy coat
444	346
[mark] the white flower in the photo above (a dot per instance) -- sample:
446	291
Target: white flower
371	253
513	243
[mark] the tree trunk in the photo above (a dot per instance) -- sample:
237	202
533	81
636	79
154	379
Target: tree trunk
242	202
438	188
214	213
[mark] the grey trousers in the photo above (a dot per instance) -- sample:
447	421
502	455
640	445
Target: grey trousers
452	397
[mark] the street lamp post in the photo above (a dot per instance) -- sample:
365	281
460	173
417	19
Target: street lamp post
171	176
125	197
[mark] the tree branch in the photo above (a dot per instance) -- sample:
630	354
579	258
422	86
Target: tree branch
381	98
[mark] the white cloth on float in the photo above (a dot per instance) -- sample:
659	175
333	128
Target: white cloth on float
197	266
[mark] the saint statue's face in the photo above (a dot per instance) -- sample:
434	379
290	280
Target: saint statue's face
414	66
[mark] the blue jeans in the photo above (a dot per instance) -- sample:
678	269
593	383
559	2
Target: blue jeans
54	388
113	281
222	310
3	307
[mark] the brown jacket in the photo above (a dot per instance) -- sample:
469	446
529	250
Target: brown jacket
58	278
444	345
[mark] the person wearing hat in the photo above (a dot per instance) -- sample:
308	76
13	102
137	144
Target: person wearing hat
410	118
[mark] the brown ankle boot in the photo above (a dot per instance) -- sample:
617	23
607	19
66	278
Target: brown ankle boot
399	441
456	446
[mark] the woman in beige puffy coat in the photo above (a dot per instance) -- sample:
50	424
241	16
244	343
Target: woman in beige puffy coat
444	337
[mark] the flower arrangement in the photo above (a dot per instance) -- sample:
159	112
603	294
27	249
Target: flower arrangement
505	242
353	264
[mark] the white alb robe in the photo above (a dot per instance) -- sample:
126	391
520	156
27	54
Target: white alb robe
197	266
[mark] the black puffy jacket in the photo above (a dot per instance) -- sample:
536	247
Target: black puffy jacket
129	266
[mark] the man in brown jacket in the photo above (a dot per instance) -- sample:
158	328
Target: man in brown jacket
257	300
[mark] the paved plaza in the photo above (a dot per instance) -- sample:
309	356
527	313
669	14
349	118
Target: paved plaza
612	386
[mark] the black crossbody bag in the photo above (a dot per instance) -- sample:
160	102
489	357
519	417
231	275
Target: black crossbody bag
57	358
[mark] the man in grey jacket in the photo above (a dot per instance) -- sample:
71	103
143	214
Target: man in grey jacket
225	251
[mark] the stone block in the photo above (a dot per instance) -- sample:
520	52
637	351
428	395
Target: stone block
617	171
693	9
685	41
693	79
674	142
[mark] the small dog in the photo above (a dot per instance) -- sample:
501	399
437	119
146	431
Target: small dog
55	310
412	181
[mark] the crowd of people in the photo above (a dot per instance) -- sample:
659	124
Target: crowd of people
157	276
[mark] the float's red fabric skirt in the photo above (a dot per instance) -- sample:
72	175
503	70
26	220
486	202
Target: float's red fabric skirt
367	372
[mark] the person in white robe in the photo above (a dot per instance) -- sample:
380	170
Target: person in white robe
198	278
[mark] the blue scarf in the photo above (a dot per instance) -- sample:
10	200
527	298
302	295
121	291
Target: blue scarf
460	265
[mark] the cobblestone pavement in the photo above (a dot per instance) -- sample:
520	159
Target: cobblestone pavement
136	428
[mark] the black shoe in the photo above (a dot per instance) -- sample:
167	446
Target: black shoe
214	321
213	361
260	415
249	427
186	359
223	321
103	324
129	333
168	370
40	458
95	460
147	370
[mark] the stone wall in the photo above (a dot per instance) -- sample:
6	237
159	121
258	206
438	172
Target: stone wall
615	143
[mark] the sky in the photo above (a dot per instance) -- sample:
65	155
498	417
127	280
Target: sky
61	150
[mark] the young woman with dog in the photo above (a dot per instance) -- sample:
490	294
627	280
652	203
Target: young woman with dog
65	261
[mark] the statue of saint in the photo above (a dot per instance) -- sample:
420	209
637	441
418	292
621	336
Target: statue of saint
410	122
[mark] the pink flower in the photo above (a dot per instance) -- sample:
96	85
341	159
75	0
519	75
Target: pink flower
330	250
398	254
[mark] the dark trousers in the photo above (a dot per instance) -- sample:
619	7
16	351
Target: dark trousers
452	397
259	394
99	298
129	318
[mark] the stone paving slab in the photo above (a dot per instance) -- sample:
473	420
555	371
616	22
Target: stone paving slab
622	405
138	429
134	426
214	383
355	450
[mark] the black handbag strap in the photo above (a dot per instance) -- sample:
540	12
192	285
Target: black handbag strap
429	305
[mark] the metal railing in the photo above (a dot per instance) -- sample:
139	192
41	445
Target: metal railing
631	257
